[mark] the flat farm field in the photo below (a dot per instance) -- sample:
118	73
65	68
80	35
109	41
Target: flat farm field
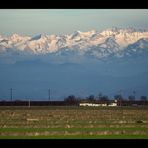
73	122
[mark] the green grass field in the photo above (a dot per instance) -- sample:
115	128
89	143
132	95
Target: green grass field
69	122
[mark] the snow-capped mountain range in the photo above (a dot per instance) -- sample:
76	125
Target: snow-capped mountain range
112	41
82	63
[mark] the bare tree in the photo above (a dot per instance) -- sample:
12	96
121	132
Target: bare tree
143	98
131	98
119	98
71	100
91	98
100	95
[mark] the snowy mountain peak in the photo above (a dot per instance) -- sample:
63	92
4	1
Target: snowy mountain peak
15	36
117	30
113	29
76	34
83	34
37	37
140	44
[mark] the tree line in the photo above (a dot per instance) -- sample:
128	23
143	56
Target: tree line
102	98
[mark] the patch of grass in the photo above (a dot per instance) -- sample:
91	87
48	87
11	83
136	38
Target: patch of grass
70	122
71	129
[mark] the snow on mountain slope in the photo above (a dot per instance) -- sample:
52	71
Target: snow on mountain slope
97	44
124	37
140	44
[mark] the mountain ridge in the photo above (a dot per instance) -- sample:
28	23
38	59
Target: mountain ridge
97	44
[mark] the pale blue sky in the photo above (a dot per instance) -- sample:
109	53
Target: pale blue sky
66	21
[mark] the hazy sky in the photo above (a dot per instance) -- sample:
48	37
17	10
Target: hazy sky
66	21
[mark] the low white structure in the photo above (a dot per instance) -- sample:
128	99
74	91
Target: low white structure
91	104
103	104
113	104
85	104
98	104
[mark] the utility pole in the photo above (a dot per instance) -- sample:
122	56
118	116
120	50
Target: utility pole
49	94
29	103
11	93
120	92
134	92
